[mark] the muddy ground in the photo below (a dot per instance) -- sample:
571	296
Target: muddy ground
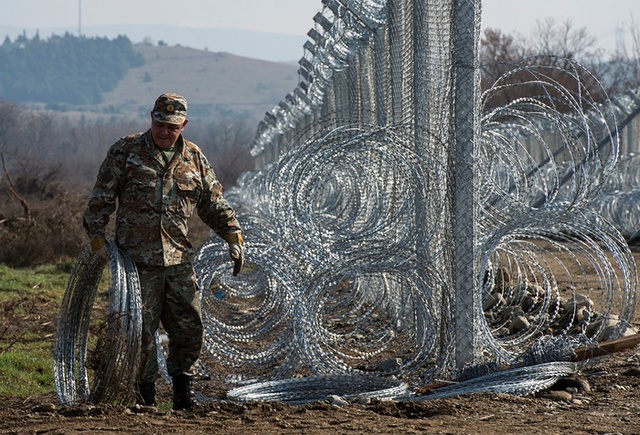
604	398
611	406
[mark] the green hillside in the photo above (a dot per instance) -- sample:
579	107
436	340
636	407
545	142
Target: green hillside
64	69
98	78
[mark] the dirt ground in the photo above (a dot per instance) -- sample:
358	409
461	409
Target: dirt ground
604	398
612	406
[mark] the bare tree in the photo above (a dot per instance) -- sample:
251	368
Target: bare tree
563	40
12	188
226	143
623	69
499	52
562	54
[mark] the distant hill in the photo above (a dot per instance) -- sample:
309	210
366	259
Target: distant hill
68	69
272	47
100	78
215	84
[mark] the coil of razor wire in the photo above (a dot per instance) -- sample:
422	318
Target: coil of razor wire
110	373
337	286
341	29
574	136
534	215
619	191
619	195
534	226
553	300
522	380
312	388
247	322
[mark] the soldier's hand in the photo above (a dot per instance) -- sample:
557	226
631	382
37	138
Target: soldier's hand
98	245
237	255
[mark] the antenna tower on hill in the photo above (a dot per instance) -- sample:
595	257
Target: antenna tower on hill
79	17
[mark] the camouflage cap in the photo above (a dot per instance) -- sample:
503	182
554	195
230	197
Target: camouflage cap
170	108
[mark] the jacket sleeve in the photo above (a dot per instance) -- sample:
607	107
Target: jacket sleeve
214	210
103	199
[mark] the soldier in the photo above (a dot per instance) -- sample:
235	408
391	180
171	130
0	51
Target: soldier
155	180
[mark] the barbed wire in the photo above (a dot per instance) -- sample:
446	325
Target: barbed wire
521	380
107	372
312	389
348	280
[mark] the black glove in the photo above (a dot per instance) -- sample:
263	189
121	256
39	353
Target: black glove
237	255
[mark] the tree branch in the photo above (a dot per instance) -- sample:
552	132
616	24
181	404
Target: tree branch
14	191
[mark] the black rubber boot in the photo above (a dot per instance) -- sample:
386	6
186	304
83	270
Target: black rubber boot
146	394
182	393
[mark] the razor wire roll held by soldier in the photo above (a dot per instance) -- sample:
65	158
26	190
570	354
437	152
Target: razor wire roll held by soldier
154	181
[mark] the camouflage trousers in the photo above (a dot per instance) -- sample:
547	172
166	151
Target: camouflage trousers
170	295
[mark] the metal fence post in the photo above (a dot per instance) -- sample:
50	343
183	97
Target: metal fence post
465	133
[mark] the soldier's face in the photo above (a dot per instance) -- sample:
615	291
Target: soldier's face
165	135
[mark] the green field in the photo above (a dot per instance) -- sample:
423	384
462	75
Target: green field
30	301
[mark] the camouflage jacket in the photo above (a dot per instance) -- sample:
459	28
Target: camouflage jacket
155	200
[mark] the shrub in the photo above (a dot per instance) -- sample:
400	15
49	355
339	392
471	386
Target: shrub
48	230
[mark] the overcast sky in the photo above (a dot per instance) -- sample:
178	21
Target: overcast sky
604	19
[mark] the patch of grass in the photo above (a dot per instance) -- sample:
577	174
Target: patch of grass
30	302
26	372
47	280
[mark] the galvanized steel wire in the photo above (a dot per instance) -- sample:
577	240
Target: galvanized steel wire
112	369
519	380
347	268
312	389
542	160
349	273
